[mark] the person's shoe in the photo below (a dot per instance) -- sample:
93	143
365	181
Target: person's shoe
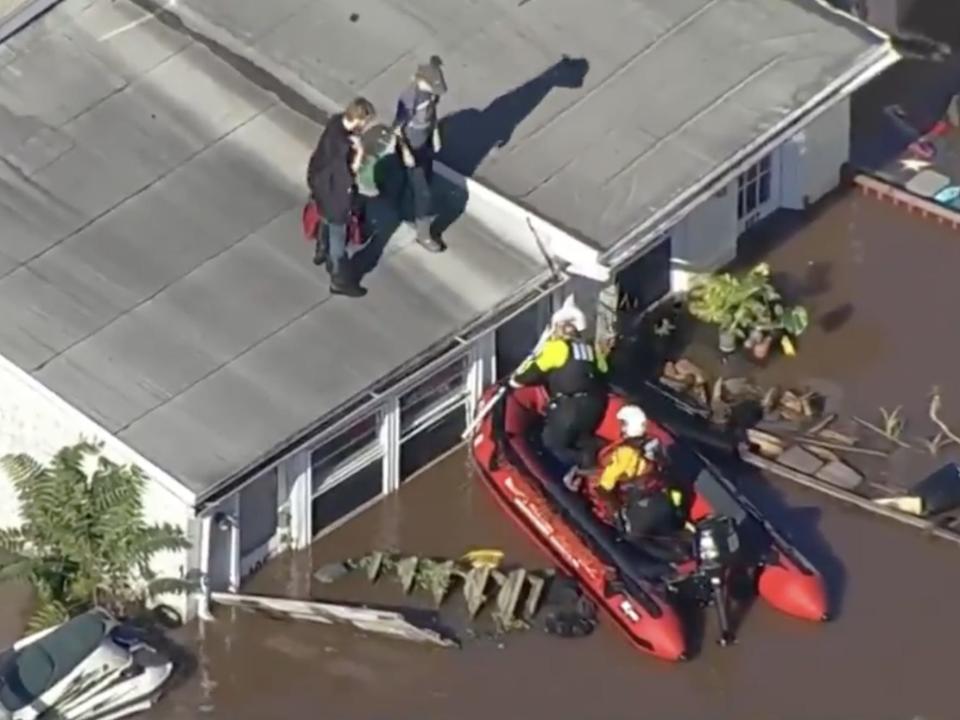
429	239
343	282
434	245
341	286
320	255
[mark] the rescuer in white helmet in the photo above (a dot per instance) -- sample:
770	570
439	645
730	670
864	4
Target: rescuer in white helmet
631	483
574	374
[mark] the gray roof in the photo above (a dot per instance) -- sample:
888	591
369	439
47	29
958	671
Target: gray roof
152	271
654	96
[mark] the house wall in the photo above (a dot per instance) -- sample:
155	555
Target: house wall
811	161
34	420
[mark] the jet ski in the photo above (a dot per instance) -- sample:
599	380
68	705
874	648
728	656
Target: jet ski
91	667
636	584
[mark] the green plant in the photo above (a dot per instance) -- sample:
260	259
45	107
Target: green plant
744	305
83	541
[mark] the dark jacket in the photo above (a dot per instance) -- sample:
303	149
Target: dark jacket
329	176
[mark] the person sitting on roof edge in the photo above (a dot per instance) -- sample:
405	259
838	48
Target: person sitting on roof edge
573	372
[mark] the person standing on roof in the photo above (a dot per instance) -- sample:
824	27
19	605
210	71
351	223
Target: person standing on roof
331	177
418	142
574	374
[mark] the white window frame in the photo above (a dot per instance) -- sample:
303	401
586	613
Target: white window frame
745	187
440	409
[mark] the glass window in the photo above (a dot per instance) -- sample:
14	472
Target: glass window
431	442
754	187
437	390
346	496
339	450
258	512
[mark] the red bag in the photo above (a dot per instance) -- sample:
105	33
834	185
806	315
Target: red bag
311	220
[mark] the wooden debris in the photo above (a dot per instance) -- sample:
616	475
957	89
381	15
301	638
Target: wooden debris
407	572
508	598
534	594
825	454
683	369
738	387
796	458
474	588
374	565
381	622
821	424
880	431
840	474
791	404
716	395
904	503
836	437
873	506
770	399
675	385
843	448
767	444
699	393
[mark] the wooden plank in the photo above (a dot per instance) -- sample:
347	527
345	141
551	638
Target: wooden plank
813	483
840	474
797	458
380	622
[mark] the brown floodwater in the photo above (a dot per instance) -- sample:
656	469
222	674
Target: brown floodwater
881	288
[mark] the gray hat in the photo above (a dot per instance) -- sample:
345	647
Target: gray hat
432	75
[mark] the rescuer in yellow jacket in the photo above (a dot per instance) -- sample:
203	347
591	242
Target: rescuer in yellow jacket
630	484
573	372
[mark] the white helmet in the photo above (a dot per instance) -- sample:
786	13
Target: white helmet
633	420
569	313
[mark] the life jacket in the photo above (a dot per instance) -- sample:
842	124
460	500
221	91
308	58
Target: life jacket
579	374
650	479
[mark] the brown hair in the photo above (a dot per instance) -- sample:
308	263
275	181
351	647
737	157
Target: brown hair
359	110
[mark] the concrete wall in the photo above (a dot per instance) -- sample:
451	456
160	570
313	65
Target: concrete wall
36	421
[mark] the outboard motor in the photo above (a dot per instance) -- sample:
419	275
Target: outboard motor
716	545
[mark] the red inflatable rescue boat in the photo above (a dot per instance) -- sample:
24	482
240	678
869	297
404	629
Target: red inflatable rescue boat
631	584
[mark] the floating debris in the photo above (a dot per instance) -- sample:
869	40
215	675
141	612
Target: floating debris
518	591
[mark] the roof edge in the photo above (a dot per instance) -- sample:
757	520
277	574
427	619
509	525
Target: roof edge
19	19
400	380
871	64
88	425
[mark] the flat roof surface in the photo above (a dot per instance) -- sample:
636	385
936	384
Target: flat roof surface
654	95
152	271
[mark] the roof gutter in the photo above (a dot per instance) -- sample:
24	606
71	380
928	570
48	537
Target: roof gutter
871	65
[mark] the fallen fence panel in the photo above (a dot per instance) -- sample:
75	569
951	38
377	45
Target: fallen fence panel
381	622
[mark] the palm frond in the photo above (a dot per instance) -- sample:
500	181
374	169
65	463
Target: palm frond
12	540
161	538
171	586
47	614
23	470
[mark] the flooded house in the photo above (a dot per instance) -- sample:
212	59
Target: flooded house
156	294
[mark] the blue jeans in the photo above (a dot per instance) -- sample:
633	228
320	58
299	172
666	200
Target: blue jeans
334	238
417	182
